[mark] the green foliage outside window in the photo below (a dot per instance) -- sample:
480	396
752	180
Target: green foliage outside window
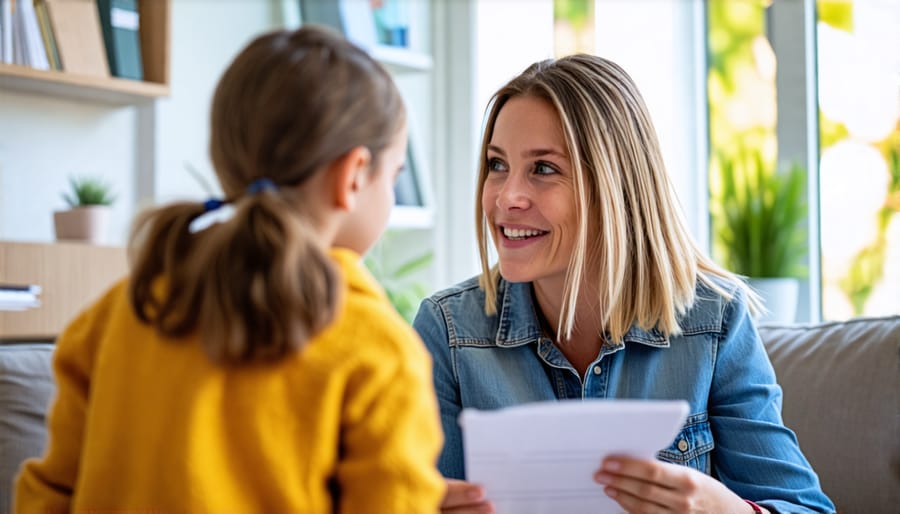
866	269
400	281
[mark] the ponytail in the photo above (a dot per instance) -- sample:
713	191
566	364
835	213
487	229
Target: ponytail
254	288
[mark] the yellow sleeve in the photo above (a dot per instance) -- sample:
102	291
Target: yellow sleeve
391	437
46	485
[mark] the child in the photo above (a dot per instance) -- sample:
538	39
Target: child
254	365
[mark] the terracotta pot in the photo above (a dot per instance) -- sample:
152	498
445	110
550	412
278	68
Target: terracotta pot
87	224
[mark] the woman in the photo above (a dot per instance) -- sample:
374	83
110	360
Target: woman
599	292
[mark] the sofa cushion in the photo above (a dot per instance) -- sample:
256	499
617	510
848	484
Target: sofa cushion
26	387
841	386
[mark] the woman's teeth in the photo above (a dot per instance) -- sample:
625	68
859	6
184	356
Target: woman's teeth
518	233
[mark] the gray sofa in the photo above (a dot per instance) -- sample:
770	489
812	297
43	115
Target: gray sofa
841	386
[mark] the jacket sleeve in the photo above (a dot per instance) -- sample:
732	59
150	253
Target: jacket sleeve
390	435
433	329
46	485
757	457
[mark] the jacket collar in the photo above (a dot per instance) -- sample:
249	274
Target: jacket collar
355	273
519	322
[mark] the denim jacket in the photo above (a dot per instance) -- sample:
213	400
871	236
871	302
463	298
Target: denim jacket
718	364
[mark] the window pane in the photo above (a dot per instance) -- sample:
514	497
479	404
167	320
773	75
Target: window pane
859	102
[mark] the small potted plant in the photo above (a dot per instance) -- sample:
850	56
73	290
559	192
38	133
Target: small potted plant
760	229
89	200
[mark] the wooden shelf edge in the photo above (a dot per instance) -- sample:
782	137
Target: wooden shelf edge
62	84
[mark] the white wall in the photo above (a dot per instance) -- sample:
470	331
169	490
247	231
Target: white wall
45	140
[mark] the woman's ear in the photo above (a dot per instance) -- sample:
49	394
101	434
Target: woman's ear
350	172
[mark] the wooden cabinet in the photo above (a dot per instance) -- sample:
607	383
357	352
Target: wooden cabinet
71	276
155	38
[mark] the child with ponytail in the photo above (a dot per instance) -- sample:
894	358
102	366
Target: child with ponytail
254	365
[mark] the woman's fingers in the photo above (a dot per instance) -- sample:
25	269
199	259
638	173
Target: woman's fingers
638	494
654	486
661	474
465	498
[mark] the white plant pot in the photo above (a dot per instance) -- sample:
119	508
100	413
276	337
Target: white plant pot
779	296
88	224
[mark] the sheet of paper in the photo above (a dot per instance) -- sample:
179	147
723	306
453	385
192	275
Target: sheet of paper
540	458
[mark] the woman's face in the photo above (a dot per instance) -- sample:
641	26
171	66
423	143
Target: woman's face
529	193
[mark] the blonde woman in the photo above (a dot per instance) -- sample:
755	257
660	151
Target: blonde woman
599	292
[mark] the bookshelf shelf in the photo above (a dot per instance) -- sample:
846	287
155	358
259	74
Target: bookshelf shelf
80	87
155	36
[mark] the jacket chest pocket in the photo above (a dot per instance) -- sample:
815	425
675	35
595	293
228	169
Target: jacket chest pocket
692	446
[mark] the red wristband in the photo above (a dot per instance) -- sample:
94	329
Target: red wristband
756	508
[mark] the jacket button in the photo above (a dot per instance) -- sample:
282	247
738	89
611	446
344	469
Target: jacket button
683	445
597	369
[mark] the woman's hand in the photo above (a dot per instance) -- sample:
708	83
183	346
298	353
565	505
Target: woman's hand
465	498
650	486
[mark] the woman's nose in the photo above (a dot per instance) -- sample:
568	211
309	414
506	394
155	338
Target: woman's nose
514	194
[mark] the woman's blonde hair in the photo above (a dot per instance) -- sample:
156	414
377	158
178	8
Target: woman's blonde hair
630	229
259	285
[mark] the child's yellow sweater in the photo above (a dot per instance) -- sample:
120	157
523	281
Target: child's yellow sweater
145	425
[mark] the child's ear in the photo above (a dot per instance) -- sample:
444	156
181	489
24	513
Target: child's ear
350	172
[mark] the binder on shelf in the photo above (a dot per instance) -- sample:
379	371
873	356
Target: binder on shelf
121	26
76	25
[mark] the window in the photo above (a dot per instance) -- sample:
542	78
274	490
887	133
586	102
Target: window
859	140
857	197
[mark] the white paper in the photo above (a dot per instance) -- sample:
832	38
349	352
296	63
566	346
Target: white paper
541	457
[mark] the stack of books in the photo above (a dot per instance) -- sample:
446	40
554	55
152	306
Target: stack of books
99	38
15	297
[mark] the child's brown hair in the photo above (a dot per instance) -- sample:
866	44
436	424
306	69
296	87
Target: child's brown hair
260	285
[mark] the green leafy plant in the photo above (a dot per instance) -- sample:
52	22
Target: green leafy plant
760	226
87	191
398	282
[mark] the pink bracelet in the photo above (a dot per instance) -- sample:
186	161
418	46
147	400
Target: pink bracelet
756	508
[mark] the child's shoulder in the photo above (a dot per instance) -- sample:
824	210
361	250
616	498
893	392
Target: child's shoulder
374	318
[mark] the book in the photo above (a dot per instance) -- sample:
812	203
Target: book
15	297
121	25
26	23
76	25
6	31
43	19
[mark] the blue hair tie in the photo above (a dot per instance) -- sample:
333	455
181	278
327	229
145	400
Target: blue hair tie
261	184
212	204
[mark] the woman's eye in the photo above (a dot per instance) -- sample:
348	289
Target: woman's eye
542	168
495	164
